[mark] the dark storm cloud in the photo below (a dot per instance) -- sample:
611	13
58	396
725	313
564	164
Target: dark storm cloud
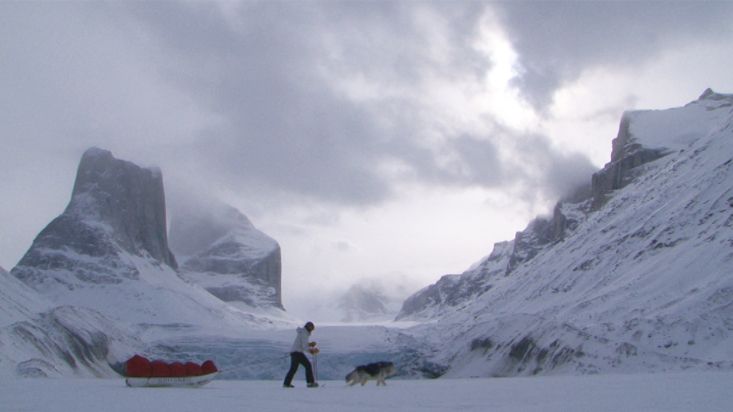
558	40
130	77
557	172
283	126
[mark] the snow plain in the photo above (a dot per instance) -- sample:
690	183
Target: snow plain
659	392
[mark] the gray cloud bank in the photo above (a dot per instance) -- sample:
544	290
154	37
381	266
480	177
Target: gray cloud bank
310	101
558	40
258	77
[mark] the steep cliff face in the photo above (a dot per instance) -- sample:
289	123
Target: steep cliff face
127	198
223	252
116	209
635	146
109	252
639	283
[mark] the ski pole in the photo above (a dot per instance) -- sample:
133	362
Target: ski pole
315	365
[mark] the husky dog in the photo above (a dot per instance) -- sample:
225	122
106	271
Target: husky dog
378	370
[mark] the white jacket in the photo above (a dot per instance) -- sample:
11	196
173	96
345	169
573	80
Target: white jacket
301	341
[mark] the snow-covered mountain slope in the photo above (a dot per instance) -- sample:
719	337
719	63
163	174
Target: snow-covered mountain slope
17	301
39	339
221	250
109	252
642	281
63	341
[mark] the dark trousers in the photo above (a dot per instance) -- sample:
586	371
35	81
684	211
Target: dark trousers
296	359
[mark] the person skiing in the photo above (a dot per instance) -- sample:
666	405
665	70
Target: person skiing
298	357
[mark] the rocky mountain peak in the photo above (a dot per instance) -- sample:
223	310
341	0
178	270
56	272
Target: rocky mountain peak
221	250
128	198
711	95
117	209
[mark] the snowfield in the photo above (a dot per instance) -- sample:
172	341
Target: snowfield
662	392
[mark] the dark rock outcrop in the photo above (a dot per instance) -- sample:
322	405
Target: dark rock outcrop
116	208
223	252
626	155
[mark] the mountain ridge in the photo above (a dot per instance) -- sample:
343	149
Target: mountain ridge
641	283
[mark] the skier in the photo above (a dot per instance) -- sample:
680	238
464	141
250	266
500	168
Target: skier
297	356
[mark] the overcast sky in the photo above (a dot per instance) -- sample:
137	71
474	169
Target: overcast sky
389	141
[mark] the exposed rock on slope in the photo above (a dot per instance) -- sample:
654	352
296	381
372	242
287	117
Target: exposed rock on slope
223	252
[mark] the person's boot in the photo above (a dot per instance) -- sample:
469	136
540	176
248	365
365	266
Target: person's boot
287	385
313	385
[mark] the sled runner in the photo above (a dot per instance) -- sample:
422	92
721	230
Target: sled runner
184	382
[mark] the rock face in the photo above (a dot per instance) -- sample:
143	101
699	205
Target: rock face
116	207
626	156
638	281
222	251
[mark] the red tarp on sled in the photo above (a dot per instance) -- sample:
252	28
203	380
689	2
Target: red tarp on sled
193	369
208	367
137	367
140	367
177	369
159	369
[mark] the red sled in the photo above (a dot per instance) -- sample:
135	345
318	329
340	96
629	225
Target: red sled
140	372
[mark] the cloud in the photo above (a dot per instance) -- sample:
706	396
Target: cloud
333	102
558	41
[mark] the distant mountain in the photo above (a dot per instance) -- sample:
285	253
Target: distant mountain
109	252
222	251
631	275
117	210
364	302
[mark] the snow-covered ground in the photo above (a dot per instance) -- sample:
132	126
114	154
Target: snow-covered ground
662	392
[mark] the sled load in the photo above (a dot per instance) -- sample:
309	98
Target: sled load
141	372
